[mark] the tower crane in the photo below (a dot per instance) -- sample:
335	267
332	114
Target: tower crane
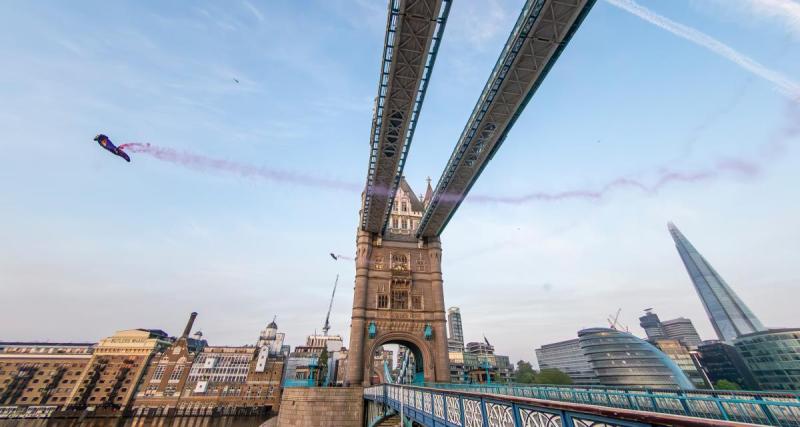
327	326
613	322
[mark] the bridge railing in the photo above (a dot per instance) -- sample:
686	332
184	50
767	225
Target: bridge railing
781	409
440	407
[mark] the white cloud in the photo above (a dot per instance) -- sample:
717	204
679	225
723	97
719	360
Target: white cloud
785	12
786	85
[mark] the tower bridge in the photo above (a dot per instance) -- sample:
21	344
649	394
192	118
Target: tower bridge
398	296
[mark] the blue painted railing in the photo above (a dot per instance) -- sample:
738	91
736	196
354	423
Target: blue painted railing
781	409
449	408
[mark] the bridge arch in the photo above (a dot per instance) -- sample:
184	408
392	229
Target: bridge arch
420	348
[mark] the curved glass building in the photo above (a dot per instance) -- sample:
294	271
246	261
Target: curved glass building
621	359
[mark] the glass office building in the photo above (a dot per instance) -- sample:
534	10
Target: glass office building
773	357
567	356
729	316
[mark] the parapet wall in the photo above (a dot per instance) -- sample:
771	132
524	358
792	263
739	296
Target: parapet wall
322	407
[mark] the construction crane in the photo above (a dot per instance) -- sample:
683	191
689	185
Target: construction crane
327	326
613	322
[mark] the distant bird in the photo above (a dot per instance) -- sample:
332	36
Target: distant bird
236	80
598	141
335	258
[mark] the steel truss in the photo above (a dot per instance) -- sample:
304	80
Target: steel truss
413	32
543	30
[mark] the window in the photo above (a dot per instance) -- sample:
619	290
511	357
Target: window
158	374
383	301
416	302
176	374
404	224
404	207
400	300
394	222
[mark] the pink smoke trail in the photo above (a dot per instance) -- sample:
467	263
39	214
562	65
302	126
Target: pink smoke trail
667	176
203	163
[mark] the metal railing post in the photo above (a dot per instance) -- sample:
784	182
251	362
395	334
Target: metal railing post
461	410
722	410
484	414
517	416
682	399
444	405
767	412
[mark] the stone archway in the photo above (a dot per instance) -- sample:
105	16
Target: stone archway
419	348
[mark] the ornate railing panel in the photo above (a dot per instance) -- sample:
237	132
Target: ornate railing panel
504	407
781	409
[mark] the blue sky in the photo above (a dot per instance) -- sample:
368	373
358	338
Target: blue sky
91	244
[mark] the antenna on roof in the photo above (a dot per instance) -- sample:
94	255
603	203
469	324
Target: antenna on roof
327	326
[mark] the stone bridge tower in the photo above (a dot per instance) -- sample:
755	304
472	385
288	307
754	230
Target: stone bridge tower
398	296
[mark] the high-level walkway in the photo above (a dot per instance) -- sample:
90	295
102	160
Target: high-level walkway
550	406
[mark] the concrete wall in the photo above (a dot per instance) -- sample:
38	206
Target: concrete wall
311	407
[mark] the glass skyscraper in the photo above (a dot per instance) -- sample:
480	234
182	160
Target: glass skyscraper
729	316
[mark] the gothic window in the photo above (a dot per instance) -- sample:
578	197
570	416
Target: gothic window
176	373
399	262
383	301
420	263
416	302
394	222
404	223
159	373
404	207
400	300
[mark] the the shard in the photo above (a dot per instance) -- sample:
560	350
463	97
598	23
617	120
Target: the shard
728	314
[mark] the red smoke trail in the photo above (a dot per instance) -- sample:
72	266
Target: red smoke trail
203	163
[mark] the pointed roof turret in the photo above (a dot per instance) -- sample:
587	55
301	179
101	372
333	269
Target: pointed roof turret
416	205
428	193
272	324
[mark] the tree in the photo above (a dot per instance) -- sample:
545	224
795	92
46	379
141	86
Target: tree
552	376
323	367
726	385
524	374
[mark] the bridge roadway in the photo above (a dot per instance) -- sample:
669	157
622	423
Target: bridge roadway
542	406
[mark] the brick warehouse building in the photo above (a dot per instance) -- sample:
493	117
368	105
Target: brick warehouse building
138	371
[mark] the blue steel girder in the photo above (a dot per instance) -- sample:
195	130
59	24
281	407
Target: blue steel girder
413	32
542	31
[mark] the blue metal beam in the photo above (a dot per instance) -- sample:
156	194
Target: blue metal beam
542	31
414	29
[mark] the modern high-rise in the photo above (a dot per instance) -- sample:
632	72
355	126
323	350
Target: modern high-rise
680	329
729	316
683	330
679	354
652	325
567	357
721	361
455	329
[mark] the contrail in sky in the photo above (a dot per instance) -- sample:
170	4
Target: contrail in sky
786	85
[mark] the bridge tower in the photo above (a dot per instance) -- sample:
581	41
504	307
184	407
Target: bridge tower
398	296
